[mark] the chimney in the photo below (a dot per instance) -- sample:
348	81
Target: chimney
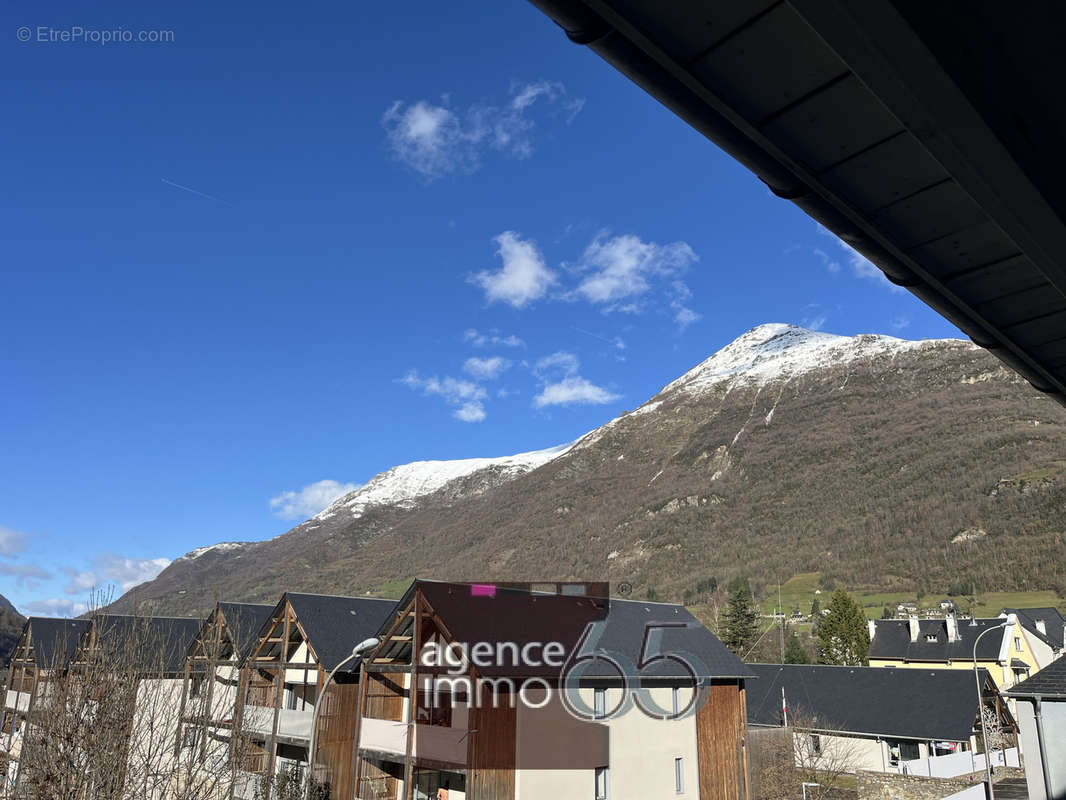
912	623
953	628
873	628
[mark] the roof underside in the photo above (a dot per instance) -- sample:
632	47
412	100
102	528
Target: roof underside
925	135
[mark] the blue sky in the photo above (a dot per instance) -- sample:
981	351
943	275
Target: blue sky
303	244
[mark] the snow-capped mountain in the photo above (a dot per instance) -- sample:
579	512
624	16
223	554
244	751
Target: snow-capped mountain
402	485
786	451
777	351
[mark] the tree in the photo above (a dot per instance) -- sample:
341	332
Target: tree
741	623
795	652
795	755
109	725
844	635
887	613
816	607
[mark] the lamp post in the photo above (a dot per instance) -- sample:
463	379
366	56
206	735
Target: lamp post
358	650
1011	619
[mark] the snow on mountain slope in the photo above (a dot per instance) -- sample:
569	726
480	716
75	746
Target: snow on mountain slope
774	351
403	484
765	353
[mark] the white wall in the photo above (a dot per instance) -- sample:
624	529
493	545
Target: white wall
640	757
1054	714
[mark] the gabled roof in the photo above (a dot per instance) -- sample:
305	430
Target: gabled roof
876	701
54	640
161	642
892	640
334	625
1049	682
243	622
1054	623
521	616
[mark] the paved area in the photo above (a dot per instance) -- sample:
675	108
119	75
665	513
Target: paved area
1012	789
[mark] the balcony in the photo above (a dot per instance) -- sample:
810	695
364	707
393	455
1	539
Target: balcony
432	742
18	701
293	725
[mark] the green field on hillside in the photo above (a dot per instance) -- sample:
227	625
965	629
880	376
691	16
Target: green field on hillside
800	590
392	590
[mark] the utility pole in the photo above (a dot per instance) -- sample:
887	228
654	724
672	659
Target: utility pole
781	609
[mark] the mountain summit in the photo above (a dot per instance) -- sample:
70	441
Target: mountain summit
788	450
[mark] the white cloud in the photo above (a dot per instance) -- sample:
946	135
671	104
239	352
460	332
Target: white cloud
111	571
437	140
309	500
899	322
28	575
486	369
524	276
56	607
558	364
467	395
683	315
563	386
491	339
573	391
815	322
861	266
624	267
11	541
473	411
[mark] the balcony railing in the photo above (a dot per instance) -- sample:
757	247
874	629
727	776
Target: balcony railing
434	742
291	724
19	701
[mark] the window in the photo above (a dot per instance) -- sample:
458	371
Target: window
930	637
814	744
909	751
679	775
599	703
189	737
1017	644
602	782
676	699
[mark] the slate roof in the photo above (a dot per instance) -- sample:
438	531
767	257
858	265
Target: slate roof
1048	682
54	640
334	625
1054	623
519	616
243	623
876	701
162	642
892	640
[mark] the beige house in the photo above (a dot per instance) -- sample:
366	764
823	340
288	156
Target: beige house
948	643
523	703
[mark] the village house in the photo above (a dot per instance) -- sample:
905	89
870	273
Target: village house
42	654
1042	718
303	640
1046	629
948	643
204	746
149	654
873	718
526	704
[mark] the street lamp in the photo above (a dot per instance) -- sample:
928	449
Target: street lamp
1010	620
358	650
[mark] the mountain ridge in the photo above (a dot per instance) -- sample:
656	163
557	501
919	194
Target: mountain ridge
697	451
